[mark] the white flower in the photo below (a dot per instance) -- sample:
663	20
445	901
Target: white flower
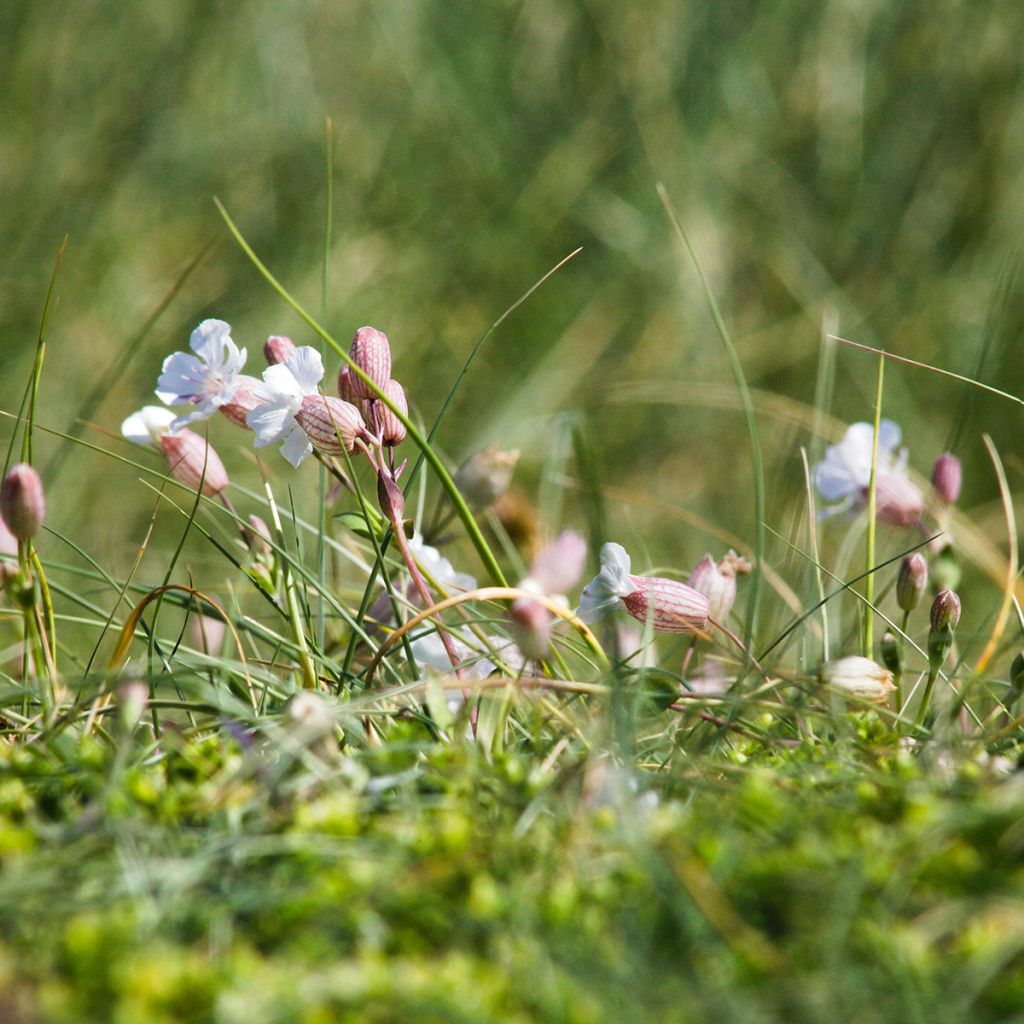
206	380
148	425
280	398
844	475
438	568
429	651
613	583
858	677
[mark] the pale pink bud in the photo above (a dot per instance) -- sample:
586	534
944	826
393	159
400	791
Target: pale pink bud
345	390
243	401
22	502
667	605
331	425
132	701
278	348
531	627
207	632
945	613
392	429
259	536
371	352
192	460
558	568
8	542
897	501
858	677
485	475
717	586
947	477
911	581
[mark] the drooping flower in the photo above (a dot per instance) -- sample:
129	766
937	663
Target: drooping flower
190	459
667	605
280	395
206	380
844	475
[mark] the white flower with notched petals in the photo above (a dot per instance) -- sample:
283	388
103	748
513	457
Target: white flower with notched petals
280	398
206	380
604	592
844	475
148	425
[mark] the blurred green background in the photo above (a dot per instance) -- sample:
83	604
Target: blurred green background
850	158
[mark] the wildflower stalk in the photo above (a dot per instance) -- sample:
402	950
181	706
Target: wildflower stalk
869	581
309	676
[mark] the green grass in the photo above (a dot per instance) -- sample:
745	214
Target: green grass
617	237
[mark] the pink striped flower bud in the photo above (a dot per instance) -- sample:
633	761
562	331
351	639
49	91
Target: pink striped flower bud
22	502
192	461
345	390
667	605
897	501
947	476
912	581
371	352
945	614
259	536
558	568
531	628
277	349
392	429
717	582
331	425
243	401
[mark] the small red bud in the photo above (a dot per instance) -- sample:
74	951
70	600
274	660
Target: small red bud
947	476
278	348
912	581
22	502
945	611
392	429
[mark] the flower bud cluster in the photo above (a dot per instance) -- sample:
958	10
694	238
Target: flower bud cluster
371	353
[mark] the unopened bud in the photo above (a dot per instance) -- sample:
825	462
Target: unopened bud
371	352
392	429
259	536
668	606
531	628
278	348
485	475
345	389
192	461
893	655
912	581
897	501
331	424
947	477
207	633
22	502
243	401
717	586
558	568
390	498
858	677
945	612
132	701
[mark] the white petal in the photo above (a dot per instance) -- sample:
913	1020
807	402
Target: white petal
296	446
270	422
202	411
147	425
280	380
180	380
595	601
833	478
889	435
306	367
209	341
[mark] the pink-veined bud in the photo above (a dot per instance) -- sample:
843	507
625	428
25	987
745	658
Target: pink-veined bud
243	401
345	390
390	498
331	424
22	501
897	501
8	542
947	476
558	568
371	352
259	536
192	461
485	475
858	677
912	581
277	349
531	627
667	605
945	613
392	429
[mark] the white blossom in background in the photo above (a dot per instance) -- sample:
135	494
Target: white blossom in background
206	380
437	568
843	476
280	395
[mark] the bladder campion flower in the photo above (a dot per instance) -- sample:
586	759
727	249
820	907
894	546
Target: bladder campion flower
844	475
667	605
206	380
